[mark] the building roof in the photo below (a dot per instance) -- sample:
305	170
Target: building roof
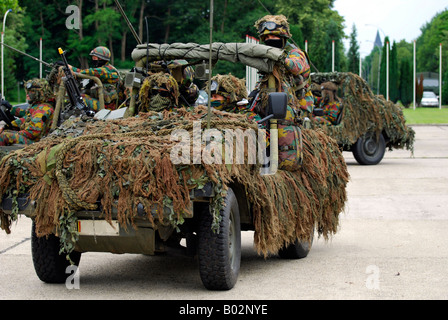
377	42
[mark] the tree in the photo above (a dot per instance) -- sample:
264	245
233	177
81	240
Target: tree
13	36
406	84
394	75
383	68
353	52
433	33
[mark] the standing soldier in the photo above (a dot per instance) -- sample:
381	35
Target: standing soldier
108	75
273	30
34	122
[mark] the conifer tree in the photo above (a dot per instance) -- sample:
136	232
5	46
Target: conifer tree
405	86
353	52
393	74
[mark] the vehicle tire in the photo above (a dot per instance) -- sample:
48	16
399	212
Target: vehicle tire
368	150
297	250
49	265
219	254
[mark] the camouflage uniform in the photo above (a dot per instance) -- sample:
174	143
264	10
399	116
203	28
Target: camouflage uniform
330	104
108	75
187	89
296	81
34	122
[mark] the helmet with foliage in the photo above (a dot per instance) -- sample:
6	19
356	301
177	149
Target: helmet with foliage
101	52
38	90
273	24
159	91
230	87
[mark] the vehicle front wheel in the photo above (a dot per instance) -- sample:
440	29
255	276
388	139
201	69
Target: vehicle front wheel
219	253
49	265
369	150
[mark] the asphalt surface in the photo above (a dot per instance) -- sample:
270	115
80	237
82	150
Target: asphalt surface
392	244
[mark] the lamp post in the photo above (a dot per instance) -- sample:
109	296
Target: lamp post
3	35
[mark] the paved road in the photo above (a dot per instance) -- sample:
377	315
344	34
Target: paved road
392	244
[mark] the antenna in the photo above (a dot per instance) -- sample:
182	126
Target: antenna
209	109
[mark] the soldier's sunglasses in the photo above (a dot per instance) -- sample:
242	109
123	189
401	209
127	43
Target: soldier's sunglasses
270	25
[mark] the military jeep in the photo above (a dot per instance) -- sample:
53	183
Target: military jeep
115	188
367	125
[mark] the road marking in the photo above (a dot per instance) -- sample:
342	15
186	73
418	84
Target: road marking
14	245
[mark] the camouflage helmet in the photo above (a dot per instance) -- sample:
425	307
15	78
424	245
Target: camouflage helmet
228	86
38	90
273	24
329	90
161	85
187	71
101	52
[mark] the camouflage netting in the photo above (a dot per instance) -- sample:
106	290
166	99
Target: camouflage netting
126	162
364	111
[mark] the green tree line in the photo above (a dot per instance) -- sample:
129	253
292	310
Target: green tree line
168	21
401	64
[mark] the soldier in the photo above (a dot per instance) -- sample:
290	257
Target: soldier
160	91
34	122
108	75
188	91
330	104
230	94
273	30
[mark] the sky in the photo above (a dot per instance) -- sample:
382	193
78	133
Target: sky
397	19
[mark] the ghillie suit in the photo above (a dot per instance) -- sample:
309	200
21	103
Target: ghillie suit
363	111
159	92
123	163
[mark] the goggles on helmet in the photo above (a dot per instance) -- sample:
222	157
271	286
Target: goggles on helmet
31	85
214	86
161	91
269	25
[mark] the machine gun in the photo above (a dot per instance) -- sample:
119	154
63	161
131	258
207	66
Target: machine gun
72	89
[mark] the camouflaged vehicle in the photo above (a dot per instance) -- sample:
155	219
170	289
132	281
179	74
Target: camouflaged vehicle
96	185
367	125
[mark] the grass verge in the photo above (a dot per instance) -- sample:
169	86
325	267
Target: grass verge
426	115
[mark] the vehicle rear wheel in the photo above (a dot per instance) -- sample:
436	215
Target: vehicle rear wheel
299	249
49	265
369	150
219	254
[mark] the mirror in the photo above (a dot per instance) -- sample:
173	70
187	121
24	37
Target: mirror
277	103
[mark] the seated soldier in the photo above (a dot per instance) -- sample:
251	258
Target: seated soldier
188	91
330	104
159	92
109	76
34	122
228	93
